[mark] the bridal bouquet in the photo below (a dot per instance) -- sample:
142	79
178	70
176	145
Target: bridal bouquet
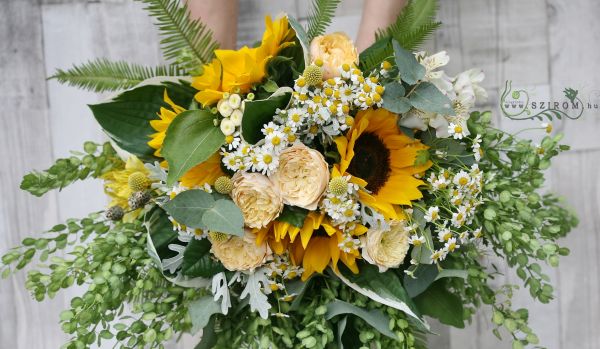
295	194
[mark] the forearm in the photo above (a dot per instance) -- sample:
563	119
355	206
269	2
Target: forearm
220	16
377	14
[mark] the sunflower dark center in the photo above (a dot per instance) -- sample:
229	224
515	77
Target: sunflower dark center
371	161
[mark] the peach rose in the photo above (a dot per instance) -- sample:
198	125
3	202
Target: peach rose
334	50
386	248
241	253
257	198
301	177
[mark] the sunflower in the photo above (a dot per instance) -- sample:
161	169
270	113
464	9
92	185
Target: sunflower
206	172
239	70
318	246
376	152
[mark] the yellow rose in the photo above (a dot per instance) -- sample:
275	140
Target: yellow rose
386	248
334	50
258	199
241	253
302	176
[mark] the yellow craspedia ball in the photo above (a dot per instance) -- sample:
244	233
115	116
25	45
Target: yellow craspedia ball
138	181
224	185
313	75
215	236
338	186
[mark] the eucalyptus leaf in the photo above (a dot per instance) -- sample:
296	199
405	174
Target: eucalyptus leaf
394	100
224	217
191	138
197	260
189	206
260	112
411	71
375	318
427	97
201	311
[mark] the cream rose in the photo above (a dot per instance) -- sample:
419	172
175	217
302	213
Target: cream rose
386	248
241	253
334	50
301	177
258	199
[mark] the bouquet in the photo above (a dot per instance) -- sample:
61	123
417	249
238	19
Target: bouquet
295	194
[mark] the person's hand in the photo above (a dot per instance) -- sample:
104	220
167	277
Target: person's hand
221	16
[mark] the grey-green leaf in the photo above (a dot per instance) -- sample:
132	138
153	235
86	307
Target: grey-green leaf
224	217
410	70
302	37
189	206
201	310
428	98
394	100
191	139
374	317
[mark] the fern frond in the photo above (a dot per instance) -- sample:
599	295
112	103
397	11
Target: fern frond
320	17
414	24
103	75
183	39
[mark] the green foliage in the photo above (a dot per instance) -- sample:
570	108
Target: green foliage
197	260
110	261
320	17
126	118
427	97
375	318
191	139
103	75
199	209
438	303
409	69
184	39
95	162
302	39
412	26
293	215
394	100
259	112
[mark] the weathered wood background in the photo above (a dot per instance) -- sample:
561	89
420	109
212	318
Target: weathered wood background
546	45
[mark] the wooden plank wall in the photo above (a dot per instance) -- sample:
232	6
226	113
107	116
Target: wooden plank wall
546	45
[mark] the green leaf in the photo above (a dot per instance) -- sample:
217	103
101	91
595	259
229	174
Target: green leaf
440	304
456	152
422	157
201	311
161	231
452	273
424	276
126	118
413	25
260	112
102	75
394	100
384	288
428	98
224	217
293	215
189	206
374	55
191	139
209	336
375	317
199	209
302	37
197	260
183	38
409	68
320	17
341	327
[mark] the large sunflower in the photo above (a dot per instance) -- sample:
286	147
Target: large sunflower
318	246
375	151
239	70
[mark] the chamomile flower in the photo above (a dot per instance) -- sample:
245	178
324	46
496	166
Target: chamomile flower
456	131
266	160
444	235
459	217
349	243
269	128
478	233
232	141
547	126
433	213
451	245
416	240
439	255
461	179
